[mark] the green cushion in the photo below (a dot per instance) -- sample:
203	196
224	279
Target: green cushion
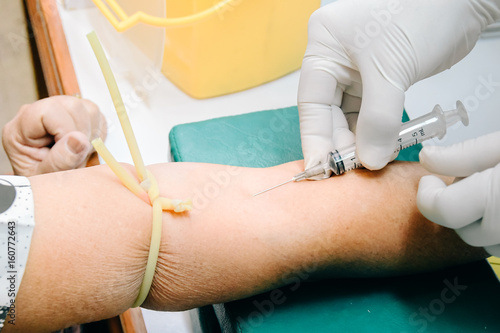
461	299
419	303
259	139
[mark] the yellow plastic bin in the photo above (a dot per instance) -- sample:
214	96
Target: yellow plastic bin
214	48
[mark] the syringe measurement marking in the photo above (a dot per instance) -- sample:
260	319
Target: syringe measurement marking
401	147
417	134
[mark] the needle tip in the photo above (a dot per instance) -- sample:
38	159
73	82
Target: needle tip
271	188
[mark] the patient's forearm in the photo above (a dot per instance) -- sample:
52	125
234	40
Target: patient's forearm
91	238
232	244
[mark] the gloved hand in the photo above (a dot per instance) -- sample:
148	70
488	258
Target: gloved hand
470	205
363	55
52	134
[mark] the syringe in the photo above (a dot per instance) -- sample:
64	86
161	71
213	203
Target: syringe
428	126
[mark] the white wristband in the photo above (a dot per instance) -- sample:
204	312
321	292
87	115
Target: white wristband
16	228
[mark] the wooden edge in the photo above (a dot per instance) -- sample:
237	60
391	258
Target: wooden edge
55	58
60	78
133	321
93	160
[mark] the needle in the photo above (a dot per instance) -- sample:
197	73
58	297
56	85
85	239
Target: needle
269	189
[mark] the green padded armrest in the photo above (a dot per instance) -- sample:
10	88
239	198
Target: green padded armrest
461	299
458	300
258	139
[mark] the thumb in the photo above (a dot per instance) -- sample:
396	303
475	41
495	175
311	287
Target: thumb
69	152
464	158
379	122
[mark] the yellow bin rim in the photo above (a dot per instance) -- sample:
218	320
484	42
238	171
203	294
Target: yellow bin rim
121	21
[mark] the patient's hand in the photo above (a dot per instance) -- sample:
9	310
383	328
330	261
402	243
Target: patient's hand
52	134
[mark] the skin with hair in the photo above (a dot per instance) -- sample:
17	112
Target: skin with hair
91	238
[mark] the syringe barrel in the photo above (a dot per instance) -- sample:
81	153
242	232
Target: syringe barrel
415	131
431	125
344	159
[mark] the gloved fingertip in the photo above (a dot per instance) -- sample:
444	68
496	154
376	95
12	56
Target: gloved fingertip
426	156
376	165
429	188
311	161
374	158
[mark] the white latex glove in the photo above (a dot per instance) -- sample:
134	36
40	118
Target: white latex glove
470	205
52	134
362	55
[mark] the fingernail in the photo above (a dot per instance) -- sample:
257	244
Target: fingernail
75	146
